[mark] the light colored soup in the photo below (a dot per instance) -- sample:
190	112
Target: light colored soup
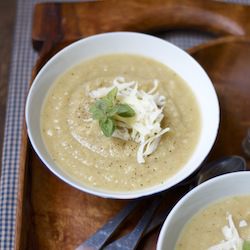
78	146
204	230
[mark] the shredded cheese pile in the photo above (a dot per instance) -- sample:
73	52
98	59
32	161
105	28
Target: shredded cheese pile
145	127
232	239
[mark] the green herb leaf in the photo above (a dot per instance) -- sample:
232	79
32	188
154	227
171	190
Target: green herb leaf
103	104
112	111
105	109
112	94
246	245
125	110
97	114
107	126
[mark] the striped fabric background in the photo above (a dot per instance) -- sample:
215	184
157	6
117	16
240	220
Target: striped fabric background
23	58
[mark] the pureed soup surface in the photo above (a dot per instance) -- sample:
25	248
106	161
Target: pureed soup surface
77	145
204	229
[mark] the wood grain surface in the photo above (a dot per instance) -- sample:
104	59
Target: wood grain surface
55	25
52	214
68	22
227	61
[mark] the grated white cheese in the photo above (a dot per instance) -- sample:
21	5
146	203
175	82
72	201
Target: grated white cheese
145	127
243	223
232	239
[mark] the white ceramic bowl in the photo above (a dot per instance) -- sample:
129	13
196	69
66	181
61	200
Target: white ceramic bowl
210	191
133	43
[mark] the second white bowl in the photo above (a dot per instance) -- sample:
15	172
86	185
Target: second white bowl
227	185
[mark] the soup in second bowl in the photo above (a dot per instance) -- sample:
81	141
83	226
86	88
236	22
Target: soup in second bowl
223	225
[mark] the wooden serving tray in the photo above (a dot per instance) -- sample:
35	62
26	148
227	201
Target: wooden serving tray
54	215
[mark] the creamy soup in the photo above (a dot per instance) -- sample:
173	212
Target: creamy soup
77	145
204	230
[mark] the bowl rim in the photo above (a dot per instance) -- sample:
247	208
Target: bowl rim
189	195
108	193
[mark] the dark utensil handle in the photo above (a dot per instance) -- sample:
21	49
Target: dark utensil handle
157	221
246	144
131	240
97	240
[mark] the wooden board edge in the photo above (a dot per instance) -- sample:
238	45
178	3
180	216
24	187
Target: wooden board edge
20	231
217	41
21	189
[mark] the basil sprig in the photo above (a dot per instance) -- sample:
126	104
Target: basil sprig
105	109
246	245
